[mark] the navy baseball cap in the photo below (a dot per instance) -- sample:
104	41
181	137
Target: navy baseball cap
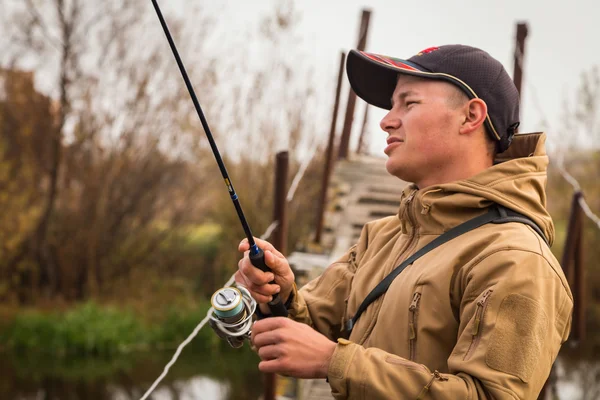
479	75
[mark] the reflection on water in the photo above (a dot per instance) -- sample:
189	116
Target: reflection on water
192	389
229	375
578	380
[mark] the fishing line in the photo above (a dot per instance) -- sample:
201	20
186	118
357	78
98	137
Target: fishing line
192	335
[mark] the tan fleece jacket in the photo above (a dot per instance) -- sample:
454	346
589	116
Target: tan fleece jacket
480	317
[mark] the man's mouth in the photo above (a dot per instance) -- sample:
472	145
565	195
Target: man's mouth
393	139
391	142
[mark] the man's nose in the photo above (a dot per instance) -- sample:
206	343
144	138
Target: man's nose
390	122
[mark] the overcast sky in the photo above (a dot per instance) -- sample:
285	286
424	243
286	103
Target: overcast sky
562	41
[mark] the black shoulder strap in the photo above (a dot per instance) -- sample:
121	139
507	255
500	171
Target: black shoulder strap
496	214
508	215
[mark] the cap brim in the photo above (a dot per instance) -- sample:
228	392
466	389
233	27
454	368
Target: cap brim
373	76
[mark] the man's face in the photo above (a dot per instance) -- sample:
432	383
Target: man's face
422	127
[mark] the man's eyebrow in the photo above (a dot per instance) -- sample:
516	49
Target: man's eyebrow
402	95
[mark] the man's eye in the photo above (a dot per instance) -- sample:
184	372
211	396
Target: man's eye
408	103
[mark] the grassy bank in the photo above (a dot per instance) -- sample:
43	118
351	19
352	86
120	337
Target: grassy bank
90	329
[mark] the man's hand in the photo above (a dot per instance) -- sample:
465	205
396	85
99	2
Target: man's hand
257	281
290	348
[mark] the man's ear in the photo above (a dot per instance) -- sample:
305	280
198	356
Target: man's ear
475	112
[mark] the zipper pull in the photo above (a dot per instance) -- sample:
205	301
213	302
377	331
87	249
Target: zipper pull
434	376
439	376
479	313
410	197
415	301
481	302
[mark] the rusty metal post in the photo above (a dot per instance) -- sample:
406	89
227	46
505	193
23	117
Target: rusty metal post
329	152
519	55
279	240
362	43
363	130
579	294
573	266
279	236
568	250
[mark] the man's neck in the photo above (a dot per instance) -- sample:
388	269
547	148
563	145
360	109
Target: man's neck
472	168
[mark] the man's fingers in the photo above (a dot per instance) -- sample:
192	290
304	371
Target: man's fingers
263	244
273	366
268	338
253	274
268	325
274	260
243	246
261	298
264	290
270	352
240	279
277	263
263	285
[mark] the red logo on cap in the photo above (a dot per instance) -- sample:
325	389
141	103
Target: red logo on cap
428	50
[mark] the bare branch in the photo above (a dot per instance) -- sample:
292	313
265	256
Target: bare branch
39	22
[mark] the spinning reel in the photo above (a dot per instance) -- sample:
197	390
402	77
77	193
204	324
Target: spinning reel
231	319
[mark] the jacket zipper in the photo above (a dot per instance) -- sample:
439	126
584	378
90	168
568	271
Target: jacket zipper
435	376
404	254
477	322
412	324
409	200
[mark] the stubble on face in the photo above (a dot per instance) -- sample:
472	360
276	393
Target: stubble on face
424	115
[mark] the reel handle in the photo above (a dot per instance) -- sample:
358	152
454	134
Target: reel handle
257	258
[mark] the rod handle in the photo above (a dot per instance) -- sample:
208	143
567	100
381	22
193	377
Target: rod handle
257	258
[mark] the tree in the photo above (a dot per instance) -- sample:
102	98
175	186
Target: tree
129	169
111	166
25	115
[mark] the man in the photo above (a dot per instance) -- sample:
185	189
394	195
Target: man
483	315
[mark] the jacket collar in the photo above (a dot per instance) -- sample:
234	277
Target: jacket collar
516	181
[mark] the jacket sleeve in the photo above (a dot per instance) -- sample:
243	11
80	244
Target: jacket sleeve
514	311
322	302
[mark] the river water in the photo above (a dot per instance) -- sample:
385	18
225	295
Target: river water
228	375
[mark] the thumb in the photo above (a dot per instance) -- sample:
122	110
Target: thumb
244	245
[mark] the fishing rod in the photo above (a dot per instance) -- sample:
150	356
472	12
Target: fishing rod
227	300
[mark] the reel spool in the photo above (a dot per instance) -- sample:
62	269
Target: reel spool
231	318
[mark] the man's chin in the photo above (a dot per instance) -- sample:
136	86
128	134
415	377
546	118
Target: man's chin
398	170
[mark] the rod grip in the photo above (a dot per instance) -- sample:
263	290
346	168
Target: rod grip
276	305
